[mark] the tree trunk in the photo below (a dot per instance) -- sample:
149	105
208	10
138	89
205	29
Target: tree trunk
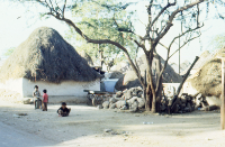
158	85
101	59
150	91
148	98
154	103
158	98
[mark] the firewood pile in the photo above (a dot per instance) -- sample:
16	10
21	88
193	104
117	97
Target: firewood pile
186	103
98	99
133	100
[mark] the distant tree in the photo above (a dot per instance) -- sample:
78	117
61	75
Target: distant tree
9	51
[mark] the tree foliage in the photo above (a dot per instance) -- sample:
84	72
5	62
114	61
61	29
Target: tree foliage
96	20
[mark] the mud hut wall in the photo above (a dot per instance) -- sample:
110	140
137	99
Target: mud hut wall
68	88
14	85
167	86
66	91
213	100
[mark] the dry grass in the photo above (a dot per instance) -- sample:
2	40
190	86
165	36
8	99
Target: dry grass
46	56
208	78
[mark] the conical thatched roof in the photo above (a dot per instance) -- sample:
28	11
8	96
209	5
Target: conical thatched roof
46	56
127	81
184	67
207	79
130	79
86	57
120	67
203	58
115	75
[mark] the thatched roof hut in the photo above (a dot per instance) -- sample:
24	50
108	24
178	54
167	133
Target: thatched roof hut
86	57
183	67
130	79
115	75
207	79
127	81
46	56
120	67
203	58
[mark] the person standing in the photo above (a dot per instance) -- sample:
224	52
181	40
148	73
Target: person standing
45	100
36	95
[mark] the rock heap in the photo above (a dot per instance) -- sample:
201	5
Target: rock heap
131	99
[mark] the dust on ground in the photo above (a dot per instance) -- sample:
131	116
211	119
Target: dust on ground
87	126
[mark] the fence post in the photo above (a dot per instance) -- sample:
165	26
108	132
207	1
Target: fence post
222	109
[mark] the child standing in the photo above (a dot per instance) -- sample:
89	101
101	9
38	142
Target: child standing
45	100
36	95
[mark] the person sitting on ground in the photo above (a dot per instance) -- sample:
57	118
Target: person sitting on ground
36	95
63	110
45	100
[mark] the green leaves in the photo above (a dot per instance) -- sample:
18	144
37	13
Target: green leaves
43	16
9	51
103	19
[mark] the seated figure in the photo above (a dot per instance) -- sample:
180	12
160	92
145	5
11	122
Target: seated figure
63	110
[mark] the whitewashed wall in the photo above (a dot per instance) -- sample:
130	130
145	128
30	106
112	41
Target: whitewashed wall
65	91
13	85
188	88
170	89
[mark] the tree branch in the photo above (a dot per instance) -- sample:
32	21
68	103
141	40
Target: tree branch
185	44
168	52
101	41
129	31
184	33
149	11
163	69
170	21
163	45
64	7
139	71
163	9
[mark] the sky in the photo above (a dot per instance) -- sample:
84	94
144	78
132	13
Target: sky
16	24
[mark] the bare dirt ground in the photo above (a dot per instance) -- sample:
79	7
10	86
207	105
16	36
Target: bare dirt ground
86	126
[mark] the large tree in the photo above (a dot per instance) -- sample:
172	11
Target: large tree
98	24
162	15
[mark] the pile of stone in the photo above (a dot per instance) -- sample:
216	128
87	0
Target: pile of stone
131	99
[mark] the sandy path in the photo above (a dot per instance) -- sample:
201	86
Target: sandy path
85	127
11	137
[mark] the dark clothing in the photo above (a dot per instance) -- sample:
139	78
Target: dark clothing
45	106
63	112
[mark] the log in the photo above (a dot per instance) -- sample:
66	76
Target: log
186	75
